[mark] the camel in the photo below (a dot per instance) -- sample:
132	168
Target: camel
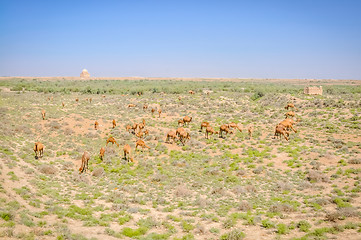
250	131
281	130
191	92
183	136
141	125
135	126
84	162
96	125
38	149
131	105
128	128
290	114
180	122
146	132
139	93
179	98
224	128
127	151
145	107
111	140
180	129
153	110
204	125
288	124
43	114
159	111
187	119
141	143
234	125
76	99
114	123
101	153
139	134
90	100
63	104
290	105
210	130
171	134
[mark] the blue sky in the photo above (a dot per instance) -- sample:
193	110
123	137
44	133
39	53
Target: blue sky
237	39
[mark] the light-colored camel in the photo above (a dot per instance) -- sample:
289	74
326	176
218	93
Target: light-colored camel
90	100
142	124
63	104
288	123
139	134
159	111
191	92
290	114
210	130
234	126
96	125
38	149
141	143
114	123
131	105
84	162
187	120
111	140
290	105
281	130
250	131
127	151
101	153
129	128
145	107
224	128
204	125
171	135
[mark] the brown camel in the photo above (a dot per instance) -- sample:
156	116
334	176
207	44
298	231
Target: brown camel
131	105
290	105
180	122
38	149
191	92
76	99
101	153
288	123
127	151
180	129
145	107
204	125
96	125
187	120
183	136
84	162
153	110
159	111
224	128
234	125
281	130
210	130
111	140
141	143
43	114
290	114
171	135
63	104
250	131
114	123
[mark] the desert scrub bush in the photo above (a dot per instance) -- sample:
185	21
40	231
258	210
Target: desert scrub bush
304	226
235	234
282	228
129	232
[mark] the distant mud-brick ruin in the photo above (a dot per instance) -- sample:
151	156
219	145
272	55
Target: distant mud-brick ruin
84	74
313	90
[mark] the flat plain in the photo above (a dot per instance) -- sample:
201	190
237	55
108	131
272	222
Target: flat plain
235	187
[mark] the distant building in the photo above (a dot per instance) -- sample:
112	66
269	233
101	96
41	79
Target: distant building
84	74
313	90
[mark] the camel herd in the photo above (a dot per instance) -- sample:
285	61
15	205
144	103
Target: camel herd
282	128
172	136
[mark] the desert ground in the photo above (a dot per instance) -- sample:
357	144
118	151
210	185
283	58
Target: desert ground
229	188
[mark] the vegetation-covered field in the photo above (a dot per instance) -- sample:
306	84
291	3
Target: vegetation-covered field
233	188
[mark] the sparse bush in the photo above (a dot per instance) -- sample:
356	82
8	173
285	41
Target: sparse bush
235	234
47	169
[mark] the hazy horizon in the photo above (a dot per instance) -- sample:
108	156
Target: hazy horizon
188	39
